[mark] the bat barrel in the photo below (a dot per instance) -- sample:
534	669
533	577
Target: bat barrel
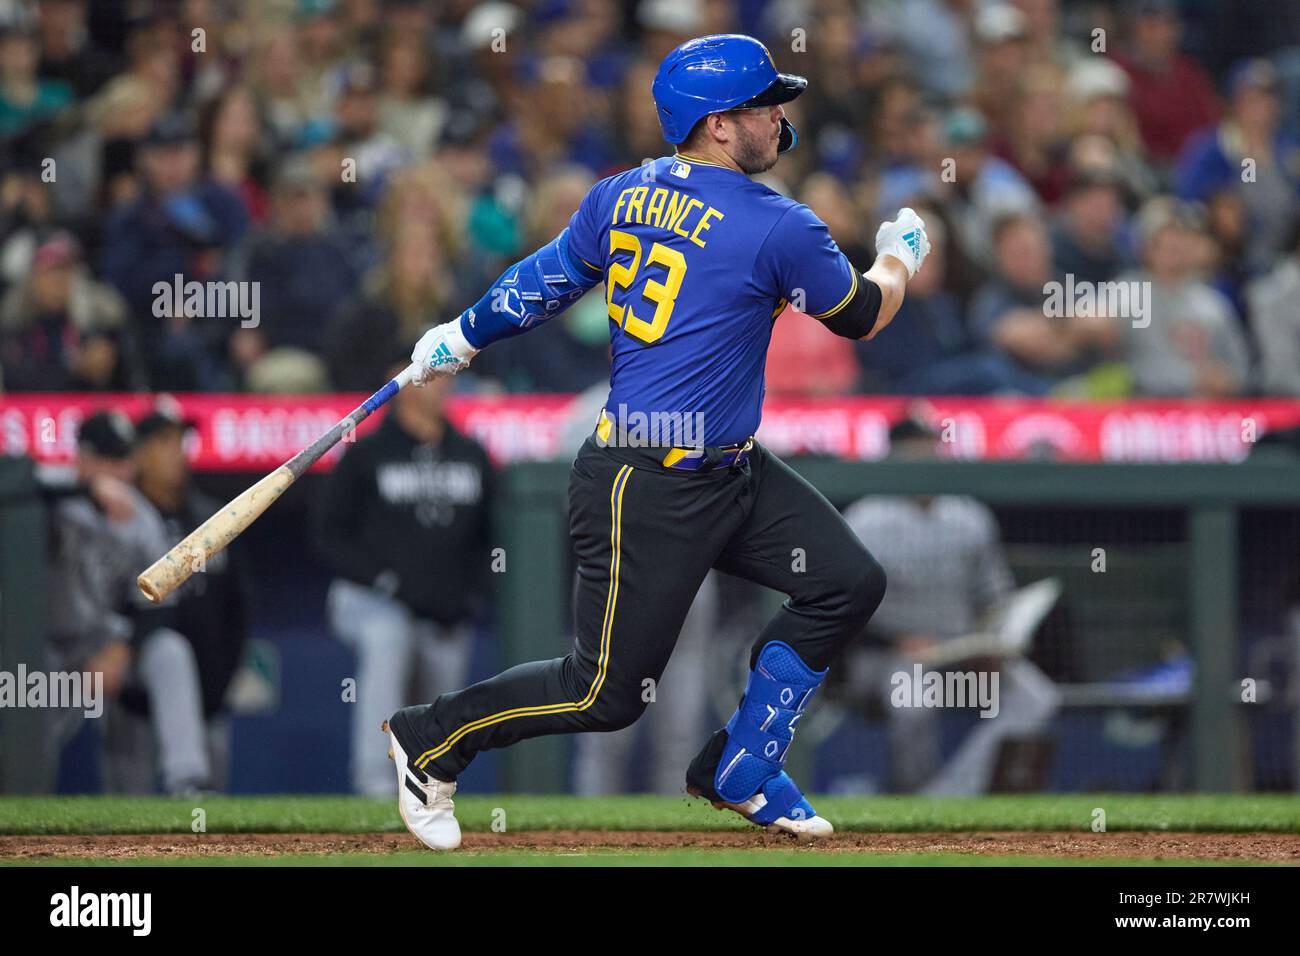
163	577
176	566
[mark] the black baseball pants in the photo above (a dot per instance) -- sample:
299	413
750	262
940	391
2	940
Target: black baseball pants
645	537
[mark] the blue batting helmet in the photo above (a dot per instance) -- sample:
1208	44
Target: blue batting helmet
714	74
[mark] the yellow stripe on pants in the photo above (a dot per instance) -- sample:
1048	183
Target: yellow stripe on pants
615	540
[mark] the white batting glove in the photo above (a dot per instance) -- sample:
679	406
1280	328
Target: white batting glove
443	350
904	239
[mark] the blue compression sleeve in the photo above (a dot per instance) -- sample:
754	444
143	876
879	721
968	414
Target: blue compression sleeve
529	293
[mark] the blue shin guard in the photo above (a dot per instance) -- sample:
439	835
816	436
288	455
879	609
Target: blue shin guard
760	733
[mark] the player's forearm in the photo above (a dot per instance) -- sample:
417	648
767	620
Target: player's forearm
532	291
901	248
889	275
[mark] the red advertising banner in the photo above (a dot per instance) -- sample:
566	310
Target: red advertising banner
258	432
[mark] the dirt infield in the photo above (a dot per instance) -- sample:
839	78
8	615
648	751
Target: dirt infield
1262	847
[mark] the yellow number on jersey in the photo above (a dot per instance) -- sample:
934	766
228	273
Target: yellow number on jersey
663	294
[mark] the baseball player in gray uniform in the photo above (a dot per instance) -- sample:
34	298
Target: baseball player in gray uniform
947	570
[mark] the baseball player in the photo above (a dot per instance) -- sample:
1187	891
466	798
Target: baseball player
698	259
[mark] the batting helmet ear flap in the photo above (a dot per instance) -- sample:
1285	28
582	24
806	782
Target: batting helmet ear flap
789	137
785	88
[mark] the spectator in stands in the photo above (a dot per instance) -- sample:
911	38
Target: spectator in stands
804	360
1220	255
235	147
410	113
589	30
848	82
1275	321
637	125
323	54
983	187
412	289
60	330
1172	96
1087	232
1008	314
179	226
1046	44
273	74
551	124
1004	56
936	36
306	273
97	161
947	574
1035	142
69	52
1105	134
25	97
668	23
439	195
27	213
894	121
219	64
403	523
360	141
104	532
134	101
213	608
1189	345
1250	156
489	48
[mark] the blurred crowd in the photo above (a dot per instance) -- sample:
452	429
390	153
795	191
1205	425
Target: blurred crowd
372	164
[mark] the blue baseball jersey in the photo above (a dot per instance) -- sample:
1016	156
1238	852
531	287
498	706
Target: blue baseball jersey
699	260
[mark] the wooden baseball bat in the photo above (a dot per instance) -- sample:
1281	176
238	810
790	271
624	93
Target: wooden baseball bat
175	567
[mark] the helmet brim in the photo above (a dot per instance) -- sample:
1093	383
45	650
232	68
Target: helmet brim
783	89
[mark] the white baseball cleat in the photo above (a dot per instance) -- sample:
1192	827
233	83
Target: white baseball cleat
424	801
814	826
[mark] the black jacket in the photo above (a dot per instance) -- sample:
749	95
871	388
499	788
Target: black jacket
418	515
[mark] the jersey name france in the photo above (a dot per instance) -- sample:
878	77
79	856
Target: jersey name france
699	260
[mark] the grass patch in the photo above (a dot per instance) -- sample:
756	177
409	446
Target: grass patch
331	814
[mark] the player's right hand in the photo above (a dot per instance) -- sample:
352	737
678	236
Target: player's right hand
443	350
904	239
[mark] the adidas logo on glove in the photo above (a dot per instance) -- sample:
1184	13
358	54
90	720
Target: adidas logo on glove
442	356
913	240
905	240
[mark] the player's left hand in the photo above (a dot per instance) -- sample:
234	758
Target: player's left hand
443	350
904	238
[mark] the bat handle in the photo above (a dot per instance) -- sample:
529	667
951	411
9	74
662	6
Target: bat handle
394	385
